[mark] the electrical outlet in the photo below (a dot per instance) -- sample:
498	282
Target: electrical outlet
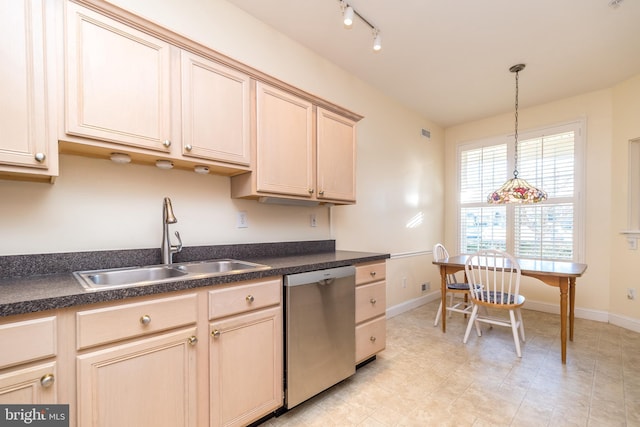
404	282
631	293
314	220
425	286
243	220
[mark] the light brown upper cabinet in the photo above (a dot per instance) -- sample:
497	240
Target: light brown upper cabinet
336	157
284	143
302	152
215	111
28	148
118	82
133	92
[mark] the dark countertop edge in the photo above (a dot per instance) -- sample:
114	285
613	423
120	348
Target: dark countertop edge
49	292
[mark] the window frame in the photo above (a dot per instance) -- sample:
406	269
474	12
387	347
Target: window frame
579	128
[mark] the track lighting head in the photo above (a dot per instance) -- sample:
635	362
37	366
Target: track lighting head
348	17
377	40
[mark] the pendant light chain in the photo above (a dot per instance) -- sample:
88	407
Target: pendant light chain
515	165
516	190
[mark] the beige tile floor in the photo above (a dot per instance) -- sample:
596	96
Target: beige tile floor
427	378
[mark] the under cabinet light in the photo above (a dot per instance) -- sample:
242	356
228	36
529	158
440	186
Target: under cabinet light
201	170
164	164
120	158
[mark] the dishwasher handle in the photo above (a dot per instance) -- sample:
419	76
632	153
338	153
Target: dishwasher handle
319	276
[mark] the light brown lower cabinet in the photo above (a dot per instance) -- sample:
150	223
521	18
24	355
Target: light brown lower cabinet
28	360
148	382
245	352
29	385
371	323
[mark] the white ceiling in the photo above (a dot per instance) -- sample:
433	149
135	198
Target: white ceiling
450	59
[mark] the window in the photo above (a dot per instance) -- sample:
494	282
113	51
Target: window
548	158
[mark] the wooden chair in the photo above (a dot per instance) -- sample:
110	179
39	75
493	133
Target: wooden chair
455	289
494	283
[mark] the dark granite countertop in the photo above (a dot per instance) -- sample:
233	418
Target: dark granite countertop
33	283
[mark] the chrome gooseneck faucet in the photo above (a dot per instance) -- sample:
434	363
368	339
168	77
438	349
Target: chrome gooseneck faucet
168	218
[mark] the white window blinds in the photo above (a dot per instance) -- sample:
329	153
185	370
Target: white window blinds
547	159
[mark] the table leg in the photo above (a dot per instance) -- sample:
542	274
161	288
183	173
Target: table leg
572	304
564	285
443	292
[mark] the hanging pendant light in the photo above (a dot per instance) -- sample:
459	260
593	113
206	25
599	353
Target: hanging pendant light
516	190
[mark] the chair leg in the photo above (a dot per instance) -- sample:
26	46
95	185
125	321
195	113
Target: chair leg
478	330
514	329
472	320
438	314
519	313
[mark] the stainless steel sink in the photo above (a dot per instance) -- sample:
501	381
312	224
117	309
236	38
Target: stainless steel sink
152	274
219	266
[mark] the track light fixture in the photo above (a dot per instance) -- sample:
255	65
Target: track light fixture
377	40
348	14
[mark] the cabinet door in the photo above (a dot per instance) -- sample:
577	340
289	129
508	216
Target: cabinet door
246	367
336	145
32	385
26	122
284	145
215	111
118	82
149	382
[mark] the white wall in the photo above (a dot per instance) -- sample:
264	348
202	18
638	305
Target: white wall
625	263
598	296
96	204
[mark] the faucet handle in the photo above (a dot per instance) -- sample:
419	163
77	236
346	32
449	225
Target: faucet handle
178	247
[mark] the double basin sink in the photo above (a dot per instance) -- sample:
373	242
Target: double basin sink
152	274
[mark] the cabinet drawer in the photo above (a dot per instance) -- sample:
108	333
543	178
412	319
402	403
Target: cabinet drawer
371	301
366	273
29	340
123	321
239	298
370	338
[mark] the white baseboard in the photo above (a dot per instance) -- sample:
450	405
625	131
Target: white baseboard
580	313
411	304
625	322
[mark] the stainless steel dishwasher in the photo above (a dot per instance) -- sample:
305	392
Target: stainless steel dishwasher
319	331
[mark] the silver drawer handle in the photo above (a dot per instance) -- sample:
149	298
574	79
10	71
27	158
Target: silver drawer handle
145	320
166	143
192	340
372	339
215	333
40	157
373	301
47	380
250	299
373	274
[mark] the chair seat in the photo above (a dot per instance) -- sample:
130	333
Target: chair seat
458	286
492	297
